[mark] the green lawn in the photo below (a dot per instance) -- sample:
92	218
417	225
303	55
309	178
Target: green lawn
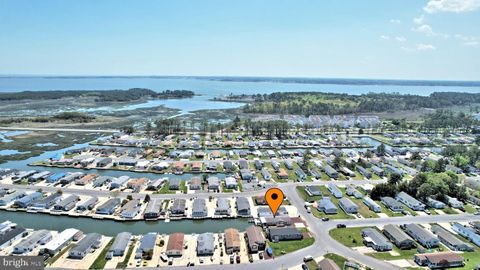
350	237
312	265
470	209
340	214
284	247
403	254
124	263
100	261
472	259
339	260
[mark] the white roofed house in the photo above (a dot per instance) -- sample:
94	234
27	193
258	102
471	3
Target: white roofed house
374	239
60	241
454	202
372	205
231	183
130	209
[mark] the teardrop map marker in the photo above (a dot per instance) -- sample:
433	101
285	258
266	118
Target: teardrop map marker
274	198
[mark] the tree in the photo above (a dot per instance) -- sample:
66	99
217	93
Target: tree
394	179
440	166
381	150
129	197
147	198
128	130
383	190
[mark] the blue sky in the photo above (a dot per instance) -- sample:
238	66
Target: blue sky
436	39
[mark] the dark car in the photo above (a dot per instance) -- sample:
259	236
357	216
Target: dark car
341	226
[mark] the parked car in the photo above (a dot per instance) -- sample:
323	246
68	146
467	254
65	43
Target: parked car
341	226
325	219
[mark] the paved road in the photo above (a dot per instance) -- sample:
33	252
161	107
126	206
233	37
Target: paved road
61	129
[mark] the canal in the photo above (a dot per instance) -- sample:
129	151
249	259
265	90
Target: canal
111	228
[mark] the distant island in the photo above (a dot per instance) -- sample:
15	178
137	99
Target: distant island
98	95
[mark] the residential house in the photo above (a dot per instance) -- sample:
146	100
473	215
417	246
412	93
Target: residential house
205	244
348	206
120	244
410	202
374	239
175	244
392	204
199	208
449	240
421	235
255	239
327	206
232	240
372	205
243	206
439	260
60	241
398	237
28	244
467	232
178	207
223	207
147	245
108	207
277	234
336	192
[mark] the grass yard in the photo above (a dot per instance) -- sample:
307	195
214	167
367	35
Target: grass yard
340	214
284	247
339	260
403	254
350	237
100	261
124	264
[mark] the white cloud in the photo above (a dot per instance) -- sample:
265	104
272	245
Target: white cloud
384	37
395	21
456	6
425	29
419	20
425	47
468	40
400	39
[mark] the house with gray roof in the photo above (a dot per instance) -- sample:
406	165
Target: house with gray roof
213	183
205	244
421	235
28	244
28	200
410	202
87	204
90	242
120	244
223	207
199	208
398	237
153	209
348	206
11	233
174	184
331	172
130	209
449	240
178	207
147	244
336	192
277	234
243	206
47	202
374	239
6	199
108	207
392	204
435	203
372	205
313	191
327	206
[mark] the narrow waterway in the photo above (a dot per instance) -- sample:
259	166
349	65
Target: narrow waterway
111	228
